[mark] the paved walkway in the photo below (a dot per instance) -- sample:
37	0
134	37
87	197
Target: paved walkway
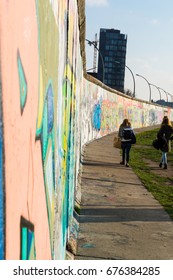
119	218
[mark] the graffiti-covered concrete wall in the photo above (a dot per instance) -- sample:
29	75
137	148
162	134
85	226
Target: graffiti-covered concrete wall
104	111
49	109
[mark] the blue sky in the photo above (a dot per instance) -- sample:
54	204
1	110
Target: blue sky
149	28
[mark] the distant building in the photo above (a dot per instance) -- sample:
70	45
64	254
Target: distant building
112	48
164	103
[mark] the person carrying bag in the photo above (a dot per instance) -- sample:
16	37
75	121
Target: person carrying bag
127	136
164	138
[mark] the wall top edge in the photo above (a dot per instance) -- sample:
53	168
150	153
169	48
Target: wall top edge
102	85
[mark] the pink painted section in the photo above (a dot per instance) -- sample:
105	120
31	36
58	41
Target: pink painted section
24	183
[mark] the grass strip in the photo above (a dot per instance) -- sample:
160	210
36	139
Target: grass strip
159	185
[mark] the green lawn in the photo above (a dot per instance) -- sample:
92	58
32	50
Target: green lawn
143	155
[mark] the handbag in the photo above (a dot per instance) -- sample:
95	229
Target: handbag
161	144
156	144
133	138
117	143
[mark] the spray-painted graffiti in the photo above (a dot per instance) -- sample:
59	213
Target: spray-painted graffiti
22	176
47	144
67	175
97	117
109	112
27	240
22	82
47	104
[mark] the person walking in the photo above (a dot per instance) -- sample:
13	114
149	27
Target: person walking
164	135
126	134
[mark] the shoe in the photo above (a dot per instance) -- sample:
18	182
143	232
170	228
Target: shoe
165	166
122	162
160	164
127	165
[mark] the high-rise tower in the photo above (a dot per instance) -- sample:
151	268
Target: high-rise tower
112	58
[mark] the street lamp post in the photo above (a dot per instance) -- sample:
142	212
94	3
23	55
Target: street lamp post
133	80
157	89
165	93
170	96
132	77
148	85
92	43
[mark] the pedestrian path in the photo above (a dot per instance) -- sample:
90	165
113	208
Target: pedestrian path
119	219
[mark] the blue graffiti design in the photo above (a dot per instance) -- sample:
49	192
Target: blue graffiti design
50	108
97	117
47	132
28	251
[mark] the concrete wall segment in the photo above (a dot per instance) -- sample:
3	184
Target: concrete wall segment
23	166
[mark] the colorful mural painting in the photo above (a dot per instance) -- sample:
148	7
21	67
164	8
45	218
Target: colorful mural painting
50	111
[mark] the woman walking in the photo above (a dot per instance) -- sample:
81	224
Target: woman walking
126	134
164	135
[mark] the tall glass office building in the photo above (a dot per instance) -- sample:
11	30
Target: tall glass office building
112	58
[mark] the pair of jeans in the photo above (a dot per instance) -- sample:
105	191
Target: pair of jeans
164	158
126	146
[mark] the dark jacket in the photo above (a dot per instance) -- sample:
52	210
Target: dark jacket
121	133
165	131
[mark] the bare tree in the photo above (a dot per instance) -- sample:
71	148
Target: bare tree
129	92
